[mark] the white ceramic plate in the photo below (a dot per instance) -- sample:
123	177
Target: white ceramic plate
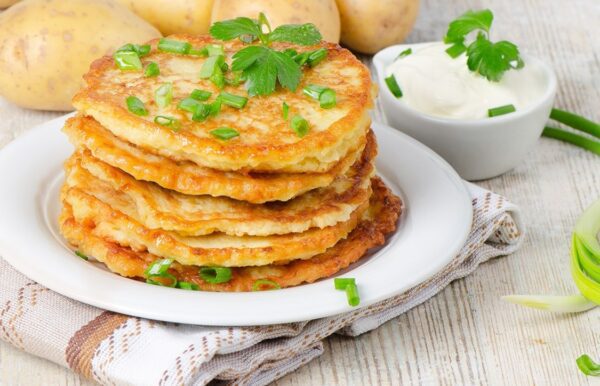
432	229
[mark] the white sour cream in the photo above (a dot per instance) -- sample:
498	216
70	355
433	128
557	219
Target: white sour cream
434	83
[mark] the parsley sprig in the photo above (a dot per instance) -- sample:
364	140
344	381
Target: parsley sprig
485	57
261	65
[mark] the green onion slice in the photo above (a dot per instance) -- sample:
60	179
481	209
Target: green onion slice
170	282
224	133
316	57
233	100
215	275
327	99
174	46
127	60
588	366
140	50
300	125
238	77
188	104
285	110
136	106
302	58
164	95
214	49
172	123
340	283
158	267
314	90
265	285
152	70
188	286
200	95
210	65
198	51
201	113
501	110
290	52
81	255
456	50
390	81
404	53
215	107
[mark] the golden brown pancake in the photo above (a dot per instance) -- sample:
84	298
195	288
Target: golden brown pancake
377	222
189	178
159	208
266	141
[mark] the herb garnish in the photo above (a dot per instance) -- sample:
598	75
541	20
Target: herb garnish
485	57
262	66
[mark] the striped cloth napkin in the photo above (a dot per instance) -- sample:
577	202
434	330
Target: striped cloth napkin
117	349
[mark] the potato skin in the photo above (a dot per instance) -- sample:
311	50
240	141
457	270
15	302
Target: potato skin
174	16
370	25
47	45
322	13
7	3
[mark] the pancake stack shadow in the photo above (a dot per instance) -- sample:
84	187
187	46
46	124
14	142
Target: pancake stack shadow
177	206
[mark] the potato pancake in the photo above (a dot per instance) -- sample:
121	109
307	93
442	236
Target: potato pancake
376	223
266	141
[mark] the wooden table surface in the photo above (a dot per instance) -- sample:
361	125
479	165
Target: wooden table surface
466	334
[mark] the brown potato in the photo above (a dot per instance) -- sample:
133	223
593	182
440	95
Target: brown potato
370	25
174	16
322	13
47	45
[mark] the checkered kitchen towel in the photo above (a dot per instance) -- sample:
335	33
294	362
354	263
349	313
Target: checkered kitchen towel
117	349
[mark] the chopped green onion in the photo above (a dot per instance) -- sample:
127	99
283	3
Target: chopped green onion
174	46
501	110
152	70
588	366
327	99
232	100
172	280
200	95
300	125
201	113
348	285
188	286
164	95
577	140
576	121
224	133
210	65
173	123
285	110
456	50
214	49
314	90
158	267
215	107
127	60
218	78
404	53
290	52
265	285
215	275
238	77
140	50
316	57
84	257
302	58
199	52
188	104
340	283
390	81
136	106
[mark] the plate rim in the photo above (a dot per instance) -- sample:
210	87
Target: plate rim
11	253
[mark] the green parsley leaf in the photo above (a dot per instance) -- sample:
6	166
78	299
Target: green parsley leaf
491	60
235	28
468	22
303	34
263	67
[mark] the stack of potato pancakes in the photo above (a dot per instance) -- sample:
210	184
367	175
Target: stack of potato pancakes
267	192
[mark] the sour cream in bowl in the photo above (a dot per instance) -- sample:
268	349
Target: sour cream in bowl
446	106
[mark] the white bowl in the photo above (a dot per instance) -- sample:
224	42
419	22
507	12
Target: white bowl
476	148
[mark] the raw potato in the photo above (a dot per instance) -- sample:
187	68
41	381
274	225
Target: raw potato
47	45
173	16
7	3
322	13
370	25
